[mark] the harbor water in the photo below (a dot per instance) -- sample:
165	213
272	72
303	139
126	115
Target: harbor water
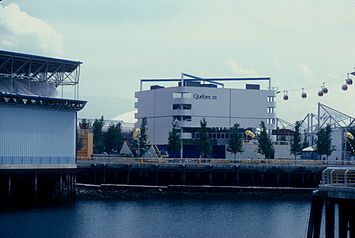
254	216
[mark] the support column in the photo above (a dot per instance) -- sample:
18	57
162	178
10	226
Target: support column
210	177
183	177
352	219
343	221
104	176
315	216
9	185
67	180
128	175
156	175
61	183
329	218
35	184
237	179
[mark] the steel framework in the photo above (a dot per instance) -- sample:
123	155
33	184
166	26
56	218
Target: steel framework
32	68
217	81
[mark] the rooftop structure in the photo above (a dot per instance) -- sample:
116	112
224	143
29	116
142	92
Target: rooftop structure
36	75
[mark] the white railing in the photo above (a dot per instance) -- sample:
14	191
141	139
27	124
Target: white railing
271	162
36	160
339	176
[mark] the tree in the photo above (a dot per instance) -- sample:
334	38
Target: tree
265	146
84	124
305	143
141	144
113	138
296	144
174	141
98	135
324	141
204	142
235	143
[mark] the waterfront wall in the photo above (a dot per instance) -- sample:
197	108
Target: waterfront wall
200	174
29	186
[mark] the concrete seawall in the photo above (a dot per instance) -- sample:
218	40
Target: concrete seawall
121	191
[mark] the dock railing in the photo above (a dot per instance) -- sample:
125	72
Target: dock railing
210	161
338	176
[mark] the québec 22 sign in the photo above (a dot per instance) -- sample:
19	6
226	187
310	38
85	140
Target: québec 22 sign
204	97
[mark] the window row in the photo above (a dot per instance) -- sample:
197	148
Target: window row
181	106
271	98
182	118
182	95
214	135
270	121
270	110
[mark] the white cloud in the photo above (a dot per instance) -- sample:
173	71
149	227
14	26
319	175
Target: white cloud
305	72
21	32
239	71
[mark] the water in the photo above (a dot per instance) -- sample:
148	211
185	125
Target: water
247	217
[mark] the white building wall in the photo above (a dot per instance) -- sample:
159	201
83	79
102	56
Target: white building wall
30	135
221	107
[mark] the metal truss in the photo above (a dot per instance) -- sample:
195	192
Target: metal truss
57	72
283	124
328	115
309	123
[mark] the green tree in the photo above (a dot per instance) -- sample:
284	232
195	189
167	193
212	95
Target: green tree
141	144
296	144
265	146
84	124
204	142
324	141
305	143
113	138
235	142
174	141
98	135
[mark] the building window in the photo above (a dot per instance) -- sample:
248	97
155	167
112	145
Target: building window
186	118
186	106
183	118
181	106
270	98
182	95
270	110
270	121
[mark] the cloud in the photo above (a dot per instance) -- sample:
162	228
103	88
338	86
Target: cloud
305	72
21	32
237	69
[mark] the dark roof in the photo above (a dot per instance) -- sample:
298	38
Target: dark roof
283	131
10	61
43	102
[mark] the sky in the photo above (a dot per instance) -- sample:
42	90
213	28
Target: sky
299	44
